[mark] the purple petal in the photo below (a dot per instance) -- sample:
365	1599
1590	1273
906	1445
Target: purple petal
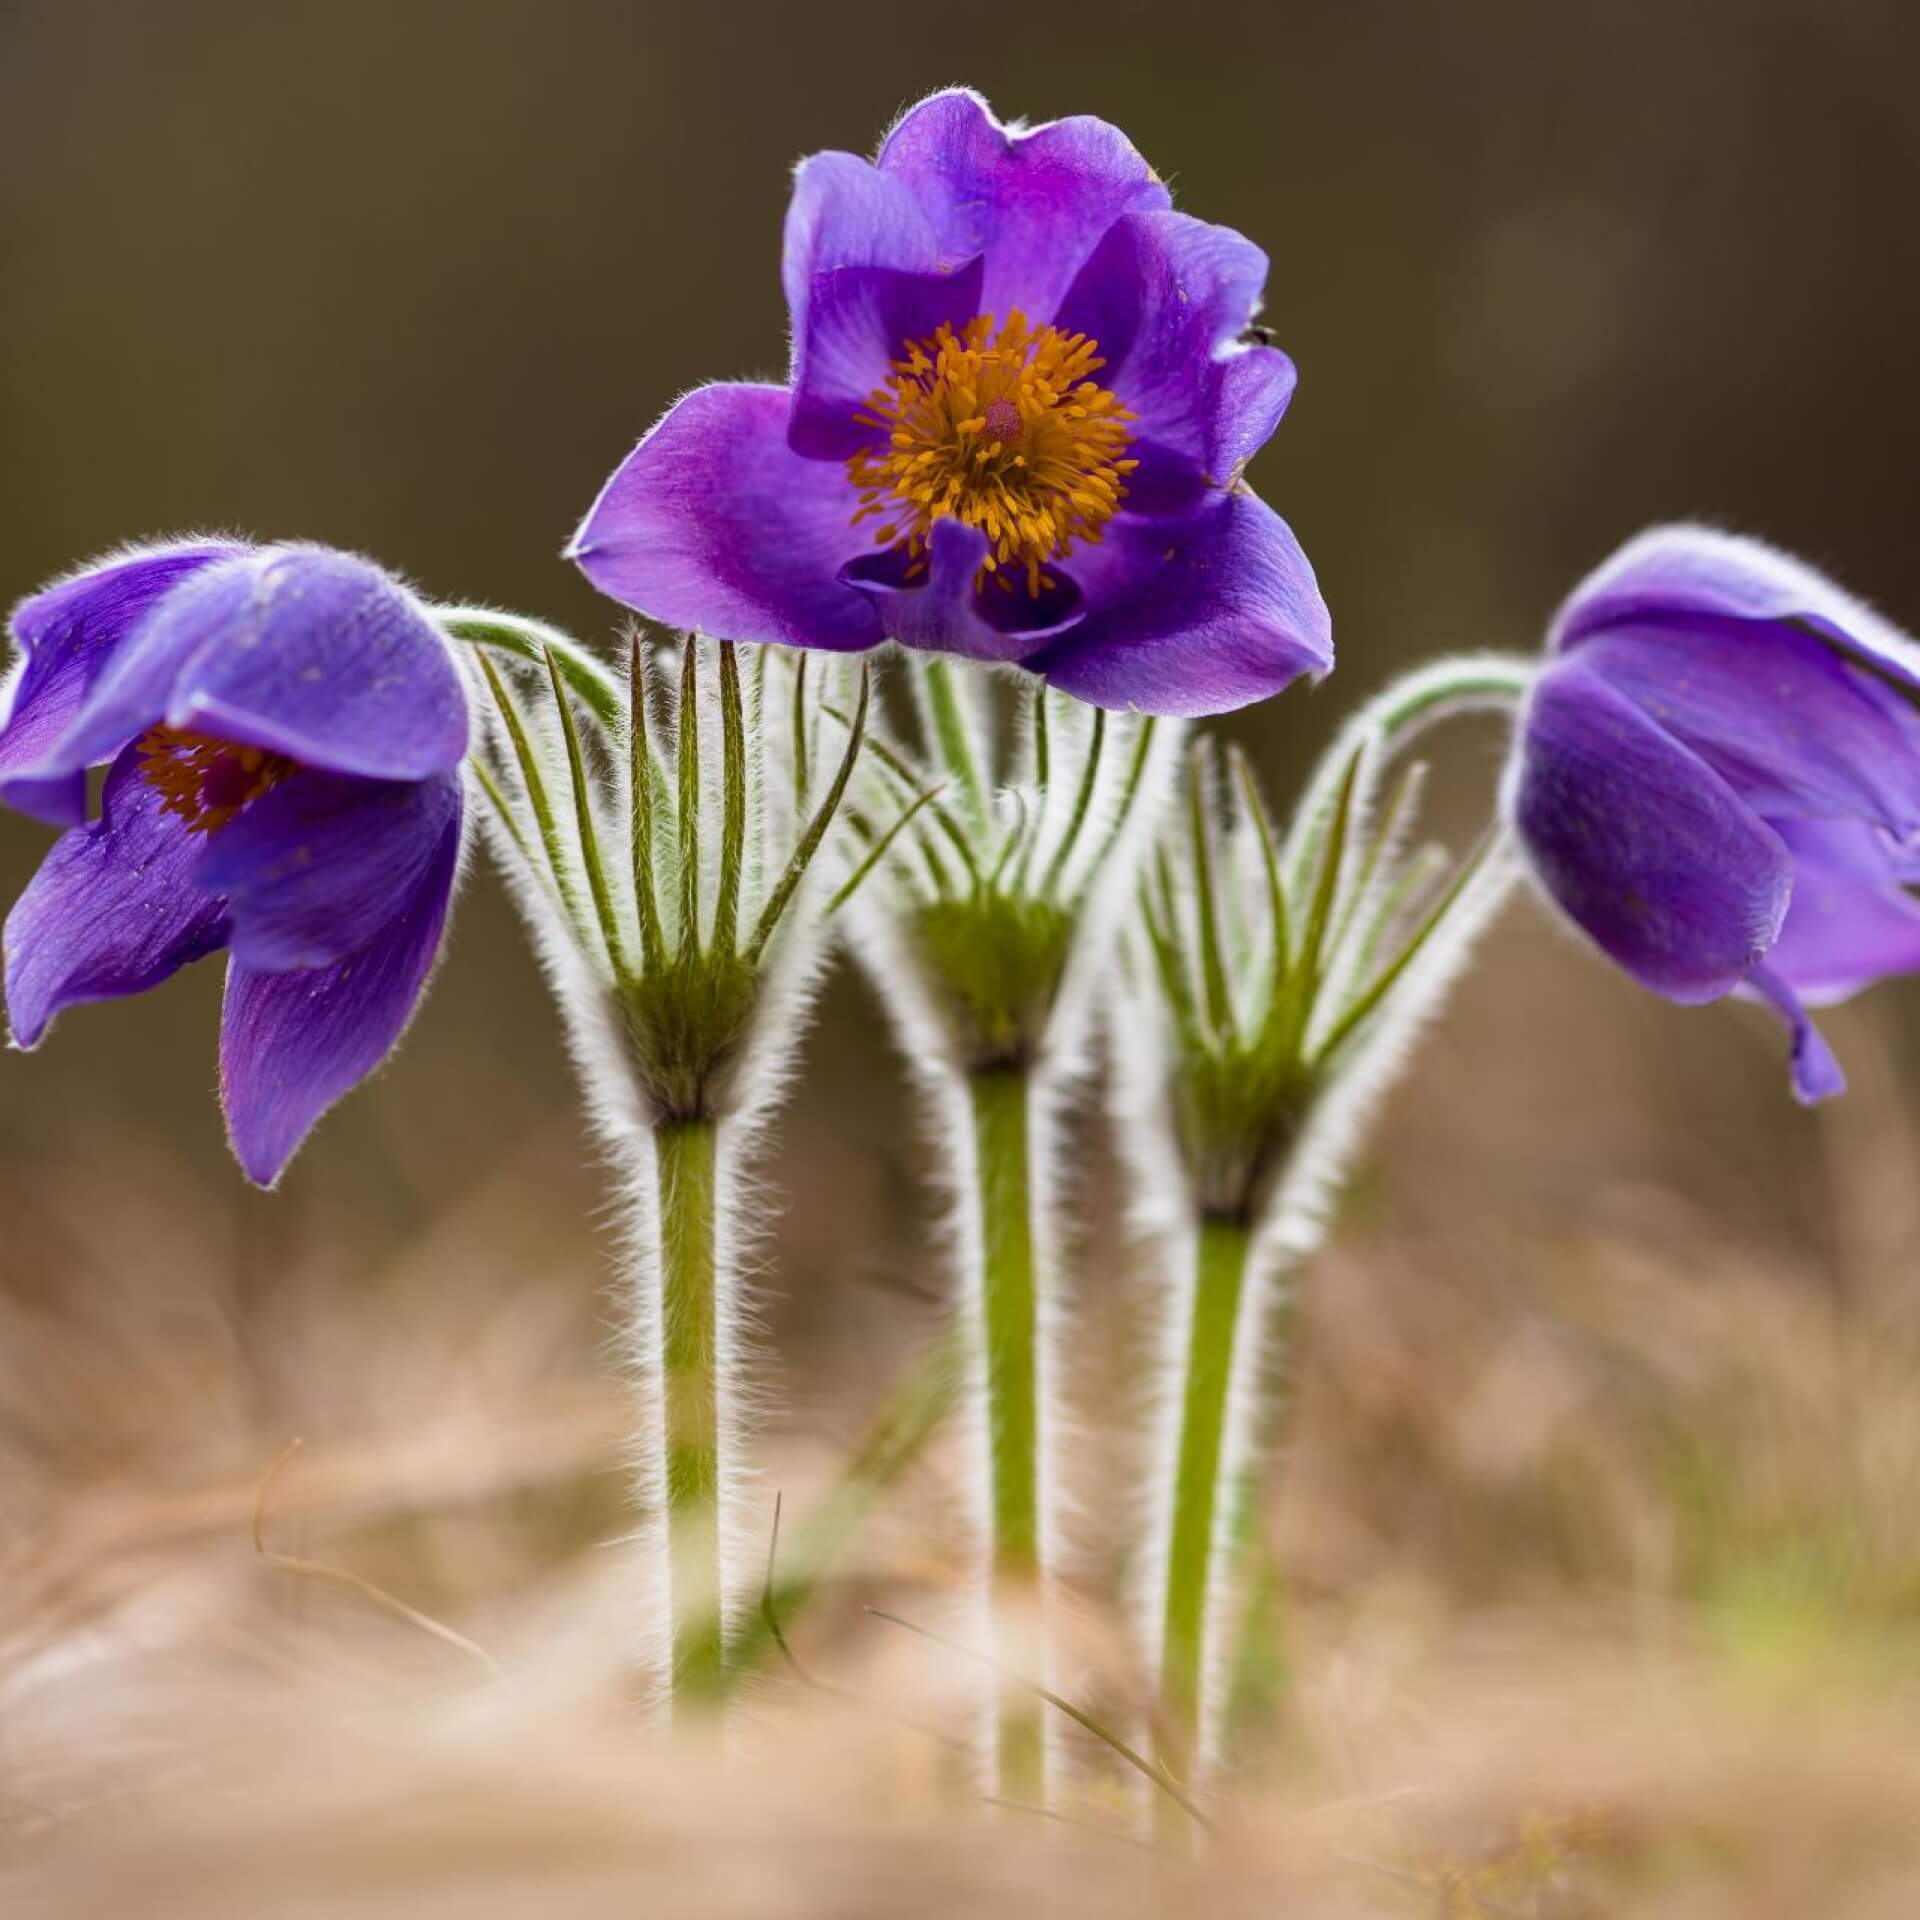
134	688
1641	844
1034	204
1167	299
1850	922
714	522
1815	1072
1681	571
1792	727
297	650
315	867
864	274
857	321
68	634
846	213
112	911
1193	616
1252	386
943	611
291	1044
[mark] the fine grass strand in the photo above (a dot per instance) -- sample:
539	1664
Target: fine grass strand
914	1410
1060	1704
306	1569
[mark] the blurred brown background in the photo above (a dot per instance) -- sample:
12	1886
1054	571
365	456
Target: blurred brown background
411	277
1611	1330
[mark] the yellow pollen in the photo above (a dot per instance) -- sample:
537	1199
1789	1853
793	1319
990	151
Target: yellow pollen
1001	429
206	782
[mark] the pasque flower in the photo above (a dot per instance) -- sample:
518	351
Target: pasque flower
1023	391
282	729
1717	778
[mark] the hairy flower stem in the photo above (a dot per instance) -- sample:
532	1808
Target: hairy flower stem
1198	1566
687	1153
1280	1020
1009	1335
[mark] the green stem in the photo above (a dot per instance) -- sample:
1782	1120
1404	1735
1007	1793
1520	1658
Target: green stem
687	1153
1193	1572
531	641
1390	722
1009	1335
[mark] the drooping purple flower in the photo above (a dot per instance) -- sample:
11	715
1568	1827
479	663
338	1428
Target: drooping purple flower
1023	391
1717	778
282	729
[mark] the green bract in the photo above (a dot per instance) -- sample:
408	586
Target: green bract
983	910
1273	962
986	891
672	885
1284	983
659	855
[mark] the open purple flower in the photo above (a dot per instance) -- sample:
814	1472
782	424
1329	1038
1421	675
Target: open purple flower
282	729
946	470
1717	778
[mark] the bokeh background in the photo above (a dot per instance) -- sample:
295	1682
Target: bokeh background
411	277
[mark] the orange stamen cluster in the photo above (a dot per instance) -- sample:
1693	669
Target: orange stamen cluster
206	782
1004	431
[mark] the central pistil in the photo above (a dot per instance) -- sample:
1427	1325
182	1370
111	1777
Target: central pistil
1003	429
206	782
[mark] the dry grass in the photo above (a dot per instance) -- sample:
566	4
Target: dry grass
1601	1532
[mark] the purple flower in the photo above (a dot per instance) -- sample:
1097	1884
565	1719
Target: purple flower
1023	392
1717	779
282	729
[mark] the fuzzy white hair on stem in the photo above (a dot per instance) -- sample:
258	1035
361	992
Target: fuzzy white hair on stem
667	854
1270	992
999	862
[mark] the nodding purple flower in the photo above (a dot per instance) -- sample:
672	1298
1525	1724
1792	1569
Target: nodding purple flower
282	729
1717	778
1023	392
